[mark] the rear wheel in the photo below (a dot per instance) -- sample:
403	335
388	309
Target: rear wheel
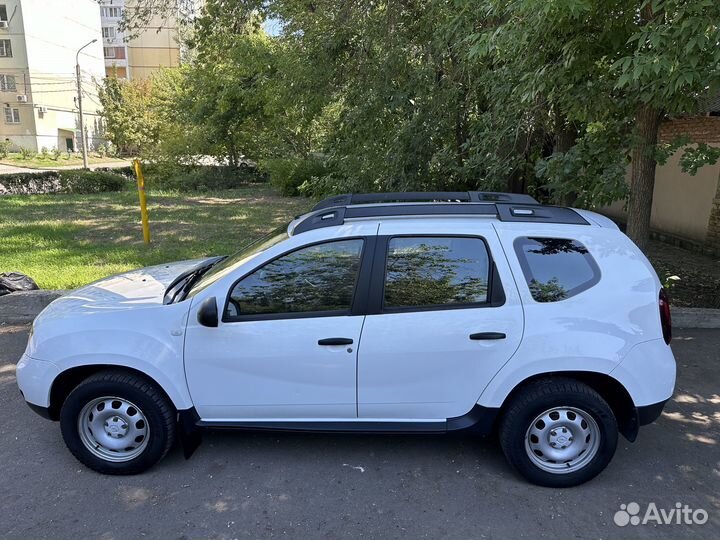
558	432
117	423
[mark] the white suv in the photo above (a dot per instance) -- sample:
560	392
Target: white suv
402	312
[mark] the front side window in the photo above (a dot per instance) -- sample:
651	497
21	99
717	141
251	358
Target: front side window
7	83
436	271
3	12
5	48
108	32
318	278
109	52
556	268
12	115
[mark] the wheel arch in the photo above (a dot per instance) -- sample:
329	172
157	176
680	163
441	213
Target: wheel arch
609	388
70	378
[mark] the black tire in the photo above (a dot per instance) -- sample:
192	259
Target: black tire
154	405
543	395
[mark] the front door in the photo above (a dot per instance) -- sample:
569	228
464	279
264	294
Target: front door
447	318
286	347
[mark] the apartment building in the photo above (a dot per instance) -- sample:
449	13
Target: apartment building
39	40
148	49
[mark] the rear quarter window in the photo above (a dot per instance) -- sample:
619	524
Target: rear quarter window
556	268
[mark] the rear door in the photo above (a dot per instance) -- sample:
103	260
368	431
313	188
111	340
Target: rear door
444	318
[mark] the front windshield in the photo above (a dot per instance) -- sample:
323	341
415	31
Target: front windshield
230	263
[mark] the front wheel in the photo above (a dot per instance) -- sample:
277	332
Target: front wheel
558	432
117	423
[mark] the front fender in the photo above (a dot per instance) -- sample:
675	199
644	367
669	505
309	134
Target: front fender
148	340
175	387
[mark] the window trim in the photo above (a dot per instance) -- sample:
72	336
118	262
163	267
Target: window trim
12	115
495	294
107	12
520	242
4	87
357	303
7	48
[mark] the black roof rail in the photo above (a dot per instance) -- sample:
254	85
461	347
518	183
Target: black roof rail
530	213
349	199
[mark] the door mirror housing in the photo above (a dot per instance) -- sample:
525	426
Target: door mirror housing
207	314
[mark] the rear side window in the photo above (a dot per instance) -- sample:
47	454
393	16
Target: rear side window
436	271
556	268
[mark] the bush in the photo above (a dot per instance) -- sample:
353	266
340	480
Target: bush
198	178
27	153
5	149
56	153
73	181
80	181
287	175
127	172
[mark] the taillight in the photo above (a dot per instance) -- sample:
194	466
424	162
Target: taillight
665	320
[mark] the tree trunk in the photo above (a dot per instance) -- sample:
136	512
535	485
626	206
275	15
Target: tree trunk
565	136
642	182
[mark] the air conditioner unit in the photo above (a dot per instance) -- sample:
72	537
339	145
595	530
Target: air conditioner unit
3	24
22	98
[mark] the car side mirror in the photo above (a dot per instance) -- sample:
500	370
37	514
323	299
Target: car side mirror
207	314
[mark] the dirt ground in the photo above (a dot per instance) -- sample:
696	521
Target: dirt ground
699	284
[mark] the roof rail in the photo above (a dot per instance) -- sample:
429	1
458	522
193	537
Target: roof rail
349	199
530	213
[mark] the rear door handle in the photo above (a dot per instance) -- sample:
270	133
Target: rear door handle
488	335
335	341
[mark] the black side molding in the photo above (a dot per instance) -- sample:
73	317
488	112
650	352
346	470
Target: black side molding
479	420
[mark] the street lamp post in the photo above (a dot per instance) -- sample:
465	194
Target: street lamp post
83	141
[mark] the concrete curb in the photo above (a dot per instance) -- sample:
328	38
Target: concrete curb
695	317
23	307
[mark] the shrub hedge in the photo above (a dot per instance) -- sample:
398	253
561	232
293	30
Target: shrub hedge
173	178
199	177
68	181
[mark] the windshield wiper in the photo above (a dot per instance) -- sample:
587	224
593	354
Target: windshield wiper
180	286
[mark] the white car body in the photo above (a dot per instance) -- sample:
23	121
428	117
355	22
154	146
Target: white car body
403	369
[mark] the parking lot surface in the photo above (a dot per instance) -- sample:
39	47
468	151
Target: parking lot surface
246	485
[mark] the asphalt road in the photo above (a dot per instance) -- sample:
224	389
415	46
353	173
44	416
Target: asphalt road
316	486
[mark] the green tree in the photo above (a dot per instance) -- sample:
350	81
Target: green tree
616	67
131	120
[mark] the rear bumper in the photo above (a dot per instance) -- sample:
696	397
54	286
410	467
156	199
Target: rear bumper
647	414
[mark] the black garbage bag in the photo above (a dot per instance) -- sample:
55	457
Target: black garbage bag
15	281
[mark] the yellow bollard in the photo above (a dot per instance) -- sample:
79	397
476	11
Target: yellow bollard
143	200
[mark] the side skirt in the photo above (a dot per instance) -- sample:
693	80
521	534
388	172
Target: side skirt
479	420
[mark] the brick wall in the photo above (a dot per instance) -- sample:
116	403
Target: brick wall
700	129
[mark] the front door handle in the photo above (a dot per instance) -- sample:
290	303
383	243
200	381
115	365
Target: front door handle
488	335
335	341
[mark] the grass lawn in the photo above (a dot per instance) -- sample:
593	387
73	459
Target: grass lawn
65	241
47	161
